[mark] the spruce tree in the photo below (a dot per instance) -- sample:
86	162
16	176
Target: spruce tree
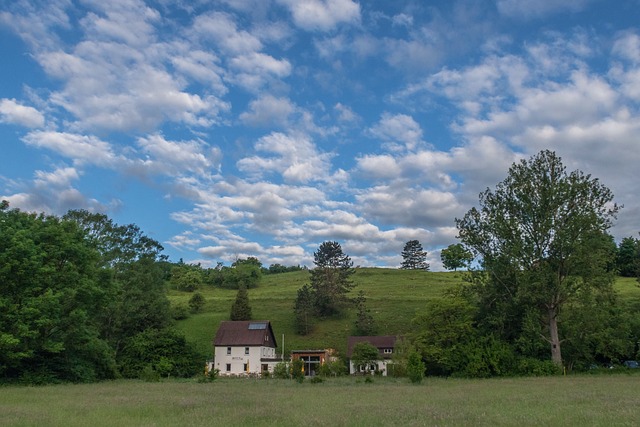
241	310
414	257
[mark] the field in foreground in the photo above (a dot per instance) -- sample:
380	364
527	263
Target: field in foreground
558	401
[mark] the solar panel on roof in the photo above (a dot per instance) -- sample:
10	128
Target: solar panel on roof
260	325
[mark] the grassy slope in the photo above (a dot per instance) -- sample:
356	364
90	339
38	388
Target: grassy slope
393	296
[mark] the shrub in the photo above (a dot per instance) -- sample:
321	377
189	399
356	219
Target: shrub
529	366
281	371
415	367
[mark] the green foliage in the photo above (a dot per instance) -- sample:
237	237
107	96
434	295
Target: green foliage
541	238
336	368
179	311
281	371
455	256
364	355
241	310
415	367
296	370
414	257
197	302
628	257
364	325
330	279
166	351
50	293
304	310
186	278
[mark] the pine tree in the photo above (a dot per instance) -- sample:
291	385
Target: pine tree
241	310
414	257
330	282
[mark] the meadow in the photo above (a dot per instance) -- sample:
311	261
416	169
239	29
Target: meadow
394	297
585	400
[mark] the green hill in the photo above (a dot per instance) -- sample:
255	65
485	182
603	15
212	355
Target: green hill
393	296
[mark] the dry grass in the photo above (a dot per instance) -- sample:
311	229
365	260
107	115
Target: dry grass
557	401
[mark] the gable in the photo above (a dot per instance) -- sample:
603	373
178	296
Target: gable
245	333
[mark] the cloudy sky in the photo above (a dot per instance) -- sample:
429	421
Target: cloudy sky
237	128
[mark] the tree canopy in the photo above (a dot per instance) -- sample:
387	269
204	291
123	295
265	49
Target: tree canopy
414	257
455	256
330	279
541	241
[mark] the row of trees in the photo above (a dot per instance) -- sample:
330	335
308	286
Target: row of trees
83	299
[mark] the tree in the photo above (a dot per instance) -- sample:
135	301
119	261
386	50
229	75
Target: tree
415	367
197	302
330	281
241	310
541	238
303	310
365	325
628	257
414	257
52	295
364	355
455	256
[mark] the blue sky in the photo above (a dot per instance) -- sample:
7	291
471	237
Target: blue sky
238	128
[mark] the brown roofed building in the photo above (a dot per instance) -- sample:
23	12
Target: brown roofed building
245	347
385	345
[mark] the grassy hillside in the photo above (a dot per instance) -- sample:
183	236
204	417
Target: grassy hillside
393	296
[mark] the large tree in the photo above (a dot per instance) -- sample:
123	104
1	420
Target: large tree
414	257
455	256
330	279
541	240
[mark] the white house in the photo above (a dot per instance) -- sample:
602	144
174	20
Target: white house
245	347
386	347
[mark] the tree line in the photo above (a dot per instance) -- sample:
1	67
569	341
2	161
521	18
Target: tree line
84	299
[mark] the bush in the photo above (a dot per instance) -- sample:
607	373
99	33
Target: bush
148	374
281	371
528	366
179	312
197	302
415	367
316	380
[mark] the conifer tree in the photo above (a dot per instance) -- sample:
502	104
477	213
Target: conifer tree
241	310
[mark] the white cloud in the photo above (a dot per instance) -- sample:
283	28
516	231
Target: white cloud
268	111
179	157
322	15
86	149
398	128
295	158
527	9
15	113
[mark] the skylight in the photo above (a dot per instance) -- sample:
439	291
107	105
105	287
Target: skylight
257	325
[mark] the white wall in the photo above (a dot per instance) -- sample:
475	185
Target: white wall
238	358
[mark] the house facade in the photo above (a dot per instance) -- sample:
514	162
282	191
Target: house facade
313	359
386	348
246	347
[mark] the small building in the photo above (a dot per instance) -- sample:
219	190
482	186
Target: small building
313	359
246	347
386	347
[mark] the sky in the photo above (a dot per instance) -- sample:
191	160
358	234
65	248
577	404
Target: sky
235	128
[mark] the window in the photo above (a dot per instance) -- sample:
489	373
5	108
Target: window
228	350
246	350
246	367
388	350
228	367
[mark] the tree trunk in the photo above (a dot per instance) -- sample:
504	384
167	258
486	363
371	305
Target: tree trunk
554	339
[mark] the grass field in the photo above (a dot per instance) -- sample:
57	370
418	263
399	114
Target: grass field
600	400
394	297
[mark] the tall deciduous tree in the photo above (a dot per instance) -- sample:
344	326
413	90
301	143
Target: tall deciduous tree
330	279
364	356
414	257
541	238
628	257
455	256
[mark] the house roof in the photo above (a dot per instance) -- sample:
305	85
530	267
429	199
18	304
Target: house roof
379	341
245	333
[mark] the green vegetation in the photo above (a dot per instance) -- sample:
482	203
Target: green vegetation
565	401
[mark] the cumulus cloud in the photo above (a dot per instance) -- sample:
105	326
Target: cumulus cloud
322	15
399	131
13	112
83	149
268	111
